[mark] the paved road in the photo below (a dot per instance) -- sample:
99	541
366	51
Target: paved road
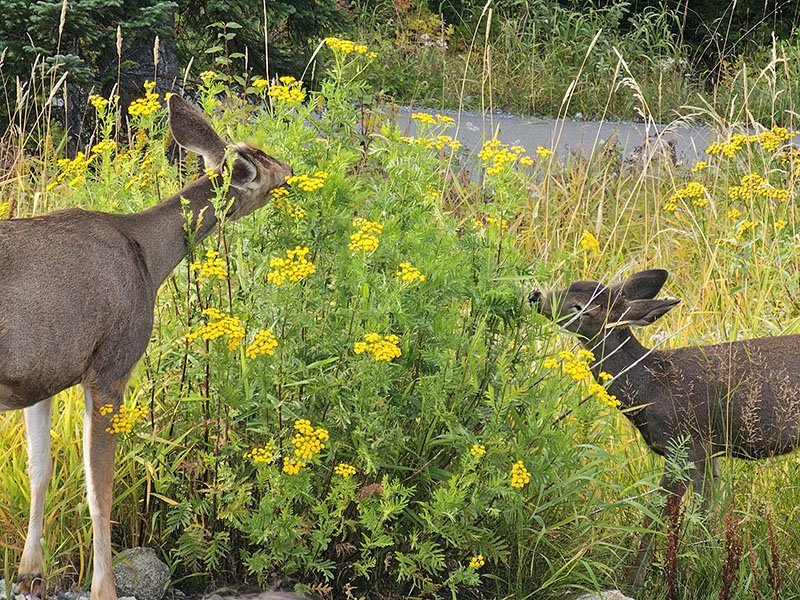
566	136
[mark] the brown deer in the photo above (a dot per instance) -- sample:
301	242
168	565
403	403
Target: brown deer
77	293
739	399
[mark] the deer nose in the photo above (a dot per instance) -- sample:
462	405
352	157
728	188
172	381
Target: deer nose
535	297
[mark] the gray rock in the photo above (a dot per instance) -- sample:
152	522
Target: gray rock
139	572
606	595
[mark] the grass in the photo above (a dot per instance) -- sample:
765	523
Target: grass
422	504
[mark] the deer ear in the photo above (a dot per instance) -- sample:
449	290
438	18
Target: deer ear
244	173
644	312
643	285
193	131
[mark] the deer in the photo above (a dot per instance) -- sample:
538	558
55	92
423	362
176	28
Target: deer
77	295
738	399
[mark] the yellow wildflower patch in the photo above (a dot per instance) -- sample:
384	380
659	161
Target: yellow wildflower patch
692	191
496	155
382	348
365	239
263	344
144	107
289	91
282	203
344	470
753	186
212	266
520	477
292	466
345	47
476	561
123	419
295	267
477	450
308	441
409	273
261	454
590	243
308	183
219	325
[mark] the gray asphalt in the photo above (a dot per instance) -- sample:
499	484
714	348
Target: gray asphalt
568	136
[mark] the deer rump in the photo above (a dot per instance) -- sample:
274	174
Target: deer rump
739	398
75	296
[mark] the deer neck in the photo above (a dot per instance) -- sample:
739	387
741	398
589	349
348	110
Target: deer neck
618	353
161	231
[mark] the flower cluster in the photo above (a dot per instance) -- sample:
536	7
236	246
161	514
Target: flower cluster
520	477
144	107
574	364
308	183
595	389
409	273
344	470
295	267
437	119
104	147
490	221
208	77
124	419
345	47
498	155
770	140
219	325
292	466
261	454
100	104
477	561
366	236
289	91
754	185
381	348
281	202
440	142
590	243
699	166
264	343
73	170
212	266
694	191
308	441
543	152
477	450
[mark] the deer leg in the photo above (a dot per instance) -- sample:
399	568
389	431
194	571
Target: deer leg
38	419
98	457
703	473
637	573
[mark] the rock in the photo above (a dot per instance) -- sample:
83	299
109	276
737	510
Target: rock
606	595
70	596
139	572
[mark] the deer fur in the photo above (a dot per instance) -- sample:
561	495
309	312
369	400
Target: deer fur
77	293
739	399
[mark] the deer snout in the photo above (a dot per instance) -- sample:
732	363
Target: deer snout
535	298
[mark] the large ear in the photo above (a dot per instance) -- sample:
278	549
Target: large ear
643	285
193	131
644	312
244	173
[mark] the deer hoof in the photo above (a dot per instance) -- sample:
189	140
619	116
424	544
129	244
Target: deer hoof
31	585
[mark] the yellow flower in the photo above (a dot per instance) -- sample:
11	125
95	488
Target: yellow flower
308	183
264	343
344	470
497	155
104	147
694	191
424	118
74	170
219	325
260	82
543	152
477	450
699	166
292	466
605	376
477	561
295	267
290	91
308	441
520	477
345	47
261	454
281	202
753	186
365	239
208	77
734	213
124	419
409	273
144	107
590	243
382	348
100	104
213	266
595	389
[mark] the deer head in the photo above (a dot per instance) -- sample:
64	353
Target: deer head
253	173
589	308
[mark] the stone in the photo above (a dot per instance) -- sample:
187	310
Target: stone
606	595
139	572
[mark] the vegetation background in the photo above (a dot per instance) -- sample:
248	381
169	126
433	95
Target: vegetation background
345	393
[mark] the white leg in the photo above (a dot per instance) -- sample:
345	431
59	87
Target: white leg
40	467
98	458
